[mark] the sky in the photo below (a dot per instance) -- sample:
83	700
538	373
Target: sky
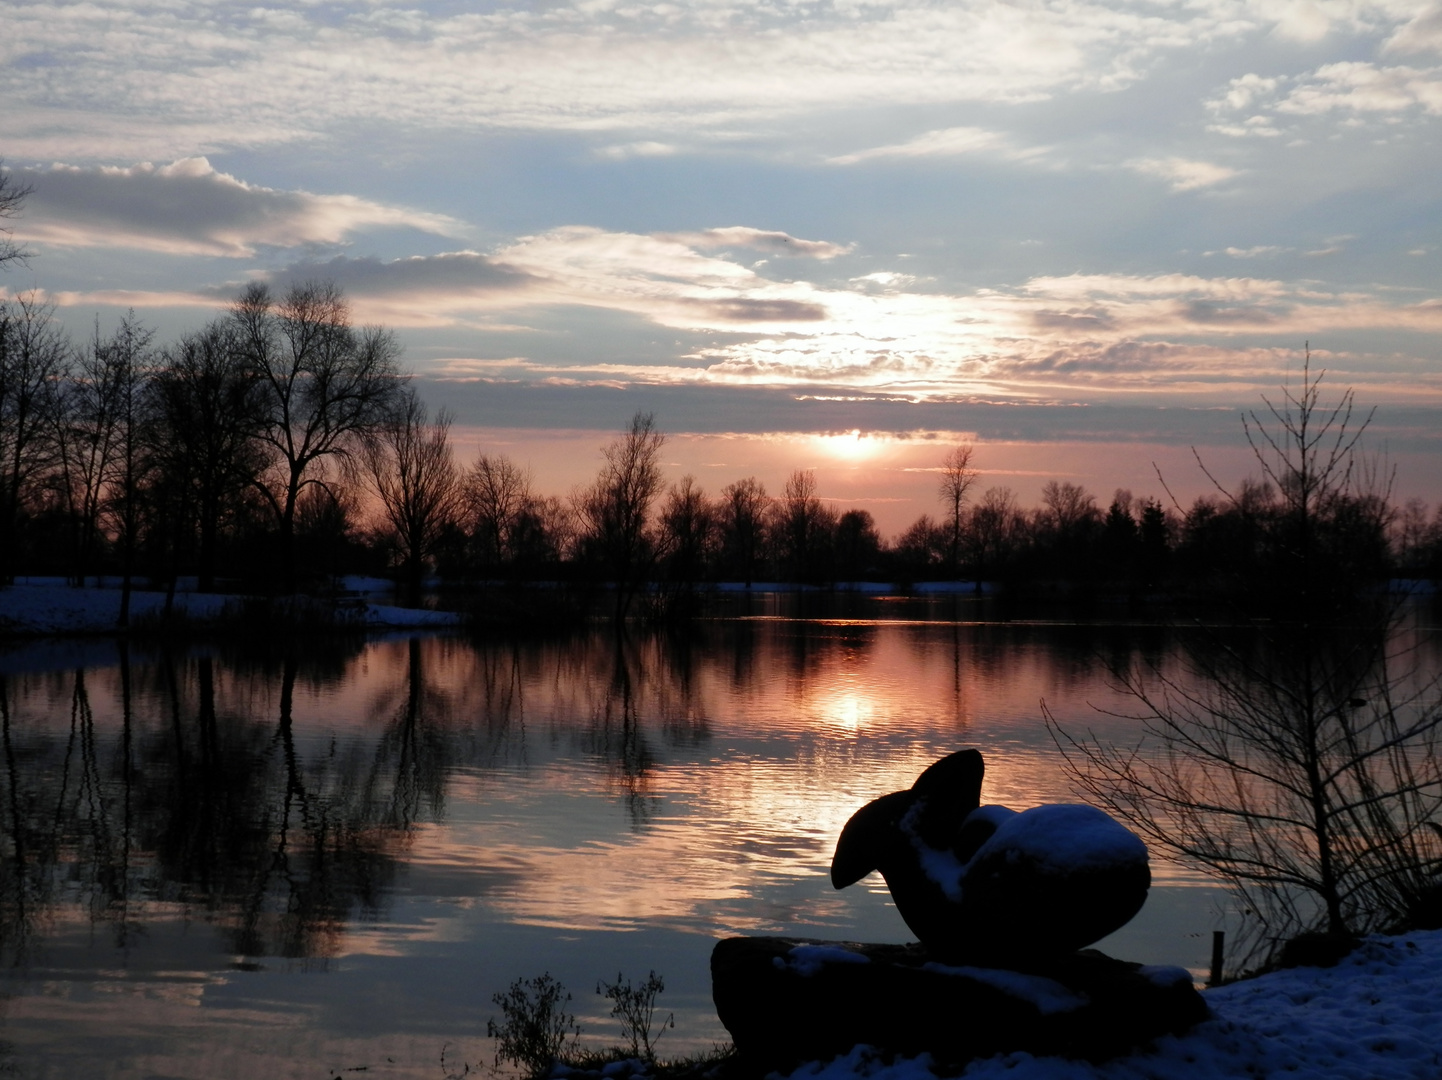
1085	235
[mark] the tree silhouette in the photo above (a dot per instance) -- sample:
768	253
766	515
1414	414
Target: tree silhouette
34	355
208	406
324	388
411	470
12	197
957	478
1303	771
743	525
616	507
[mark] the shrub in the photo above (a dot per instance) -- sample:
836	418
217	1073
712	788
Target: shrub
536	1027
635	1007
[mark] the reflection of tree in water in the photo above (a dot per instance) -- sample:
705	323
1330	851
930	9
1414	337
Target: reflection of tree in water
683	716
196	782
281	848
413	755
741	638
22	893
71	839
277	841
617	736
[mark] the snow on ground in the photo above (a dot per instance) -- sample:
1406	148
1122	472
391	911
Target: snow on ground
46	606
1375	1016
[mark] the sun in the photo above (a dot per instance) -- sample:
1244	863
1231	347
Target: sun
853	445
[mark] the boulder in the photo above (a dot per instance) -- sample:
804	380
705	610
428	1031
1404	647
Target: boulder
790	1000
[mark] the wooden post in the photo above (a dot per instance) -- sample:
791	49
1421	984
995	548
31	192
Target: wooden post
1218	942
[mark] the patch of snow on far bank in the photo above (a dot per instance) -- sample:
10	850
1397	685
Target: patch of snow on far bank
52	607
1375	1016
385	615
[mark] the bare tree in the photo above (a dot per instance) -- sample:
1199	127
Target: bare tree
12	197
34	355
546	532
323	386
803	527
1410	535
87	438
130	361
996	528
687	531
743	524
616	508
411	469
957	478
209	415
858	544
1305	772
922	546
1067	507
495	494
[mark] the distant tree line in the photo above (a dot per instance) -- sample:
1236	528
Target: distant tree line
237	450
280	445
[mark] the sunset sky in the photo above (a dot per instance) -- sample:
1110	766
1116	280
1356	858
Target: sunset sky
838	235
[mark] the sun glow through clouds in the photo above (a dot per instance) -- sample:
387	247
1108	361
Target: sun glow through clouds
854	445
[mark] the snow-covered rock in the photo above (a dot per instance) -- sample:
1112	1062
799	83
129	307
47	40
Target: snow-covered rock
1377	1015
785	1000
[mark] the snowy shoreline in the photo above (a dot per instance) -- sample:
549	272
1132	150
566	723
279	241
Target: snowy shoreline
48	608
1377	1015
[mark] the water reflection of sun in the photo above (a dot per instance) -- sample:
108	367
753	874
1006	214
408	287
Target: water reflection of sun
847	708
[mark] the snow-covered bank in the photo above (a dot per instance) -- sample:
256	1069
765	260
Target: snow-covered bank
1375	1016
48	607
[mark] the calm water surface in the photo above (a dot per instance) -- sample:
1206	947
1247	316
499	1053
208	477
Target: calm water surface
261	863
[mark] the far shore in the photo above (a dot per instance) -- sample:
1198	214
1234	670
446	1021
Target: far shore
50	607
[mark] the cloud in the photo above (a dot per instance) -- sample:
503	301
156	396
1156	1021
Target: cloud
664	277
768	241
1181	173
644	149
1257	251
884	279
175	77
1245	92
1247	95
661	278
751	311
1422	34
417	291
944	142
1356	88
188	208
1099	335
1362	87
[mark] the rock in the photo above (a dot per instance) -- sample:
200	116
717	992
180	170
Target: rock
984	884
789	1000
1317	949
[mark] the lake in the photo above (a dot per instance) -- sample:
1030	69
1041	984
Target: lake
261	861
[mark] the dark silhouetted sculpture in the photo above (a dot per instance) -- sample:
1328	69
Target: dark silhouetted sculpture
1003	904
984	884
